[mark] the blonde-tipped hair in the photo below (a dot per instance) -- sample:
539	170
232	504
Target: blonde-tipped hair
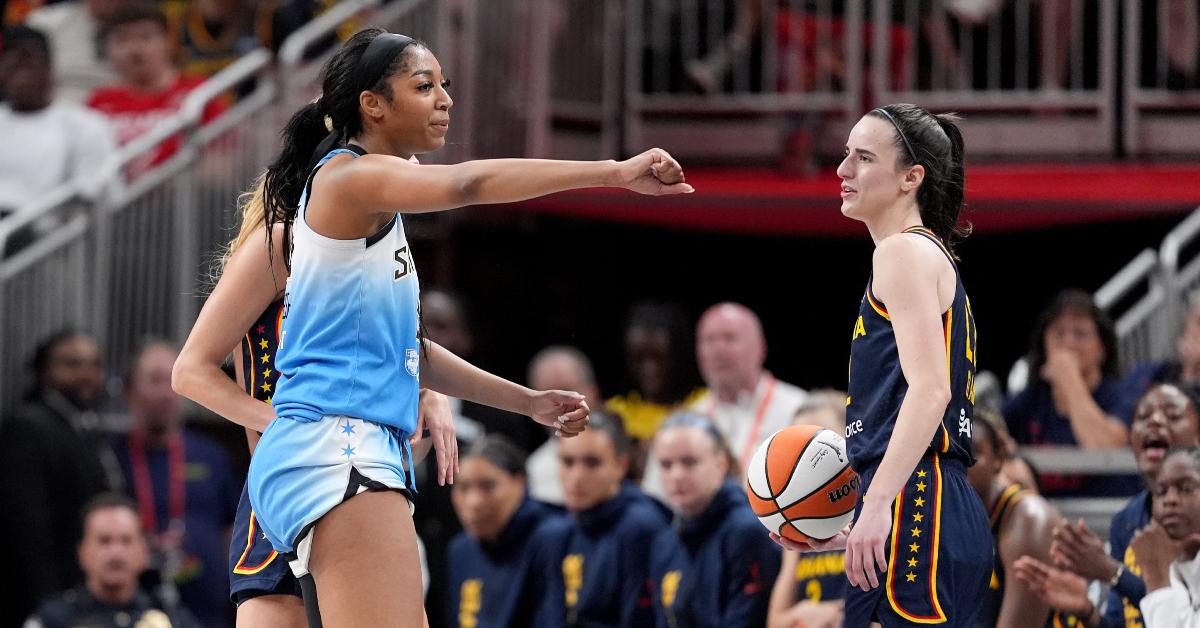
253	217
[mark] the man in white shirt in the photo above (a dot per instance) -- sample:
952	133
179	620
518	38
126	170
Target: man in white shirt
73	28
557	367
44	142
1168	550
745	402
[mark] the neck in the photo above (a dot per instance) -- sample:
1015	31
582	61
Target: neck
891	221
729	393
372	143
113	595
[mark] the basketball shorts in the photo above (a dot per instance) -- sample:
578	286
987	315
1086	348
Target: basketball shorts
255	568
302	469
939	552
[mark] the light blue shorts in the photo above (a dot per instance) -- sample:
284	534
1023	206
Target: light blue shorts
302	469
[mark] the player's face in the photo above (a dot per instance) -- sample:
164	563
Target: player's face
418	116
1076	332
113	552
692	468
1164	418
139	51
870	176
589	469
1177	496
74	369
485	497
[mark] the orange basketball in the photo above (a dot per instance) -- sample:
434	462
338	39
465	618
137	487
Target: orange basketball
800	483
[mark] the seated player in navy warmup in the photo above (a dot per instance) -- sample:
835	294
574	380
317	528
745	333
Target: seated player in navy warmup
601	554
714	567
496	574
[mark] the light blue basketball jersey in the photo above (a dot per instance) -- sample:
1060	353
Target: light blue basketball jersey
349	335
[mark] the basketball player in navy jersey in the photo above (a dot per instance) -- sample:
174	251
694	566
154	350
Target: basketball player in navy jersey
919	551
261	585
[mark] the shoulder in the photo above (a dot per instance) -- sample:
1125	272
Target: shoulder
459	547
1130	517
908	249
1028	527
642	518
57	611
905	262
53	16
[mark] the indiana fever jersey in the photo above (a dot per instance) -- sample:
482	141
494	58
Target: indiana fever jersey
877	385
349	337
258	353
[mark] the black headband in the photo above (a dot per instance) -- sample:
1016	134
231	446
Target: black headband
372	65
899	131
378	57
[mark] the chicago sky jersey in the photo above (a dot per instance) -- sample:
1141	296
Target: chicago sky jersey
877	385
348	342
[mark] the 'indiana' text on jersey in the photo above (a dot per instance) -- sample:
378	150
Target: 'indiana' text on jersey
877	385
349	333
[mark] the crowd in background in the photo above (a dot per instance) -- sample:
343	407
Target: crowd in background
640	520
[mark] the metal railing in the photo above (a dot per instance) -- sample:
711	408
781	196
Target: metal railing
1161	78
752	58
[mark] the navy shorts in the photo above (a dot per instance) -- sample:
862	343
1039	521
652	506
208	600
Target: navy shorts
255	567
939	552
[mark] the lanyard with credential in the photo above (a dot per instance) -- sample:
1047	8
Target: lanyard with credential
144	488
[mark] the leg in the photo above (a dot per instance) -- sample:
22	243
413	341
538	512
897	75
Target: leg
271	611
364	561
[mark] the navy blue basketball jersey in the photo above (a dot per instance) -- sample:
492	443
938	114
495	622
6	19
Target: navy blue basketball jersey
821	576
258	353
877	385
998	514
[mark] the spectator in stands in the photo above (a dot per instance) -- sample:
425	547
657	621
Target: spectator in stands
557	367
73	29
184	486
658	362
150	89
212	34
746	402
44	142
1075	398
497	576
1166	416
812	585
112	555
447	322
53	460
601	554
1021	525
1185	368
714	566
1169	548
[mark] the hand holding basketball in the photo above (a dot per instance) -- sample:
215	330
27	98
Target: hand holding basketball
654	172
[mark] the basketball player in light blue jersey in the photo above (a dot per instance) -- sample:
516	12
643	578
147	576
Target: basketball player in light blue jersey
331	476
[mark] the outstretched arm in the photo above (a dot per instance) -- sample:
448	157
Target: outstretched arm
379	183
453	376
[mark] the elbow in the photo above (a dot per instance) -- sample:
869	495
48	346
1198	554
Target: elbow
937	395
467	186
182	374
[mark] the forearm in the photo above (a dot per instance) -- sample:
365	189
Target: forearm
1093	428
208	386
920	414
453	376
512	180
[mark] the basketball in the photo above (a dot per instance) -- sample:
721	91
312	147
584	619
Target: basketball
800	483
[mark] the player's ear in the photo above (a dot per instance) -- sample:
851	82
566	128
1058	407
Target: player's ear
913	178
